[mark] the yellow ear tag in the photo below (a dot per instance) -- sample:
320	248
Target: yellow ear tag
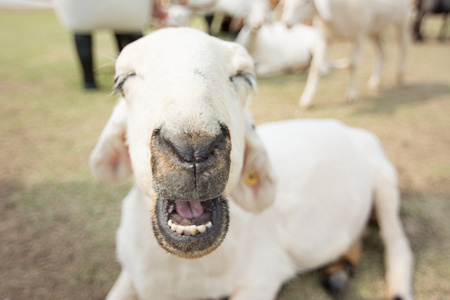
251	178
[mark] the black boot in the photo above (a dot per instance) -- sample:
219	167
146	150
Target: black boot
83	44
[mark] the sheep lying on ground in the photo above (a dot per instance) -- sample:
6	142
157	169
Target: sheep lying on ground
228	12
353	20
252	207
179	13
275	48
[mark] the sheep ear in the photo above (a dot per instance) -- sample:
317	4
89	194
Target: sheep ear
257	183
323	7
110	161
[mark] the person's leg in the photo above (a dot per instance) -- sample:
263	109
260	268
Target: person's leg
124	39
83	43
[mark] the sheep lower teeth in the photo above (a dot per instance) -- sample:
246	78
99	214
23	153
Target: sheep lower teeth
190	229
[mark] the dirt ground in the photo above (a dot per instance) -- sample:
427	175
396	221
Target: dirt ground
57	225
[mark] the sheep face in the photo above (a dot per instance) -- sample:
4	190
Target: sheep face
185	96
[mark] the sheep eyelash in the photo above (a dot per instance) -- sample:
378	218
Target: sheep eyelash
120	81
248	77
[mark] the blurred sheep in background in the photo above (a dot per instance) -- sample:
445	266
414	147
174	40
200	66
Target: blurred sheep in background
221	16
176	16
354	21
228	15
274	47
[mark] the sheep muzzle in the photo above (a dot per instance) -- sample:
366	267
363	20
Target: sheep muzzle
190	172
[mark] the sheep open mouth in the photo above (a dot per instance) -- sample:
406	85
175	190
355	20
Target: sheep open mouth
190	229
189	217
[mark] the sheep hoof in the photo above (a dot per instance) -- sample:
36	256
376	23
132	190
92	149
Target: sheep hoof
335	283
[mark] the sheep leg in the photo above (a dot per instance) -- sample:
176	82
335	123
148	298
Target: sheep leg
352	91
336	275
374	81
402	32
341	63
123	289
319	59
398	255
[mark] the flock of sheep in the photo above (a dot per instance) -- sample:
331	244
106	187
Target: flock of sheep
273	31
279	41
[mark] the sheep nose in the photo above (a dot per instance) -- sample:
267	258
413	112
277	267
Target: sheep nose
190	165
195	147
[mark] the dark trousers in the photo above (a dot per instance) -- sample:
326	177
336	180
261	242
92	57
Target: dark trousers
83	44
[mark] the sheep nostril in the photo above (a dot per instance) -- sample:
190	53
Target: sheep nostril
202	154
181	150
193	147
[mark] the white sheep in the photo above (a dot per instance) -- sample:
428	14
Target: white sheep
177	15
235	10
275	48
252	207
354	20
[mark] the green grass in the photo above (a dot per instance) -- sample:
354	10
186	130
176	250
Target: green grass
57	225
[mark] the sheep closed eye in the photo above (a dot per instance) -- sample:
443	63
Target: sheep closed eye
247	77
120	81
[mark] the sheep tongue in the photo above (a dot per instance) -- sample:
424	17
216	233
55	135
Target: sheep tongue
189	209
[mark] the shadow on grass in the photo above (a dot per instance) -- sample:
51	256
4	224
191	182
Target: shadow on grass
388	101
58	239
58	243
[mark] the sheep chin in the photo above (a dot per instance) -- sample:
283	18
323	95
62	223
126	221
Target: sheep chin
190	246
